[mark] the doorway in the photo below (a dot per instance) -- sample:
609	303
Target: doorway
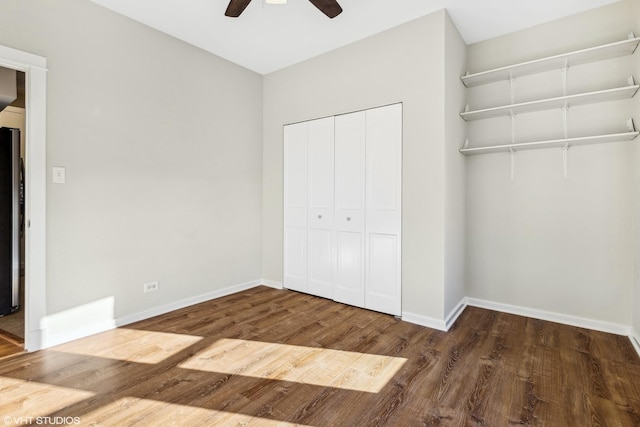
34	68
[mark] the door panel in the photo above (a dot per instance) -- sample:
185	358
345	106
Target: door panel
295	166
349	213
320	274
383	209
349	286
295	258
384	158
321	233
383	287
295	207
350	161
320	161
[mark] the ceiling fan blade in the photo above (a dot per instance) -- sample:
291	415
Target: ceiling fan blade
236	7
331	8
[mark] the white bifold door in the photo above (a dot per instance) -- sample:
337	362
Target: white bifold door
342	208
308	207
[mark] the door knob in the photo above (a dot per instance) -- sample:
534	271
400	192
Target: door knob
348	218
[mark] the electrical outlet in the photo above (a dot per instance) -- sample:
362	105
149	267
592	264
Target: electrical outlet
150	287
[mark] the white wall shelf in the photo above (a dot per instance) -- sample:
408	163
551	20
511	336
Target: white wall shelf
598	53
562	103
564	143
552	103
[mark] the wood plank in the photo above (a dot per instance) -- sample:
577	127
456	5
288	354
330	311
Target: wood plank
274	357
9	346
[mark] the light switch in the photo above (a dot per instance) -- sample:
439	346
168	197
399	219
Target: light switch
59	175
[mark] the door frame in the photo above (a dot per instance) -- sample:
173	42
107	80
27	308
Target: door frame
35	69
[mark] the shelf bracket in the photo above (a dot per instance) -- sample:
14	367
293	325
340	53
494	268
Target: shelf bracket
631	81
513	127
631	35
466	143
630	125
512	153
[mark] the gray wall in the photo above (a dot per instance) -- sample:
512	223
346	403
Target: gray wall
404	64
174	164
543	241
162	144
454	163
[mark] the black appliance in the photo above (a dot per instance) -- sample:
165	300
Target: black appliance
11	214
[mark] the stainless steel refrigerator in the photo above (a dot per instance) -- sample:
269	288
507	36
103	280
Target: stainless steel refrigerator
10	220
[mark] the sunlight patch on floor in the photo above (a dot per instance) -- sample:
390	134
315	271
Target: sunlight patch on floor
306	365
131	345
132	410
32	399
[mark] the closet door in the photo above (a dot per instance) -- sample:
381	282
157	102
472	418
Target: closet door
342	208
295	207
350	208
383	209
321	234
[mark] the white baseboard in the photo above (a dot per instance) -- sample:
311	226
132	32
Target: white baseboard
272	284
98	316
455	313
429	322
581	322
62	327
177	305
635	339
50	339
77	322
33	341
432	322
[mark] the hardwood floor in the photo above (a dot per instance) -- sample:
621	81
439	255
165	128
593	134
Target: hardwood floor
13	324
10	344
270	357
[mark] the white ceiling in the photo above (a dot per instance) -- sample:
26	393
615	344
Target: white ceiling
268	37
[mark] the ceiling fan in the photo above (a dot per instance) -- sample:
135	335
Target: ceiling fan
331	8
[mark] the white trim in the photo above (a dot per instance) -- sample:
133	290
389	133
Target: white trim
56	330
432	322
429	322
455	313
581	322
35	68
634	337
50	338
19	60
177	305
272	284
78	322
